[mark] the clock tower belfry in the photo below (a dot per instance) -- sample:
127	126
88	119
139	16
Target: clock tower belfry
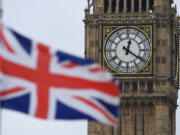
138	42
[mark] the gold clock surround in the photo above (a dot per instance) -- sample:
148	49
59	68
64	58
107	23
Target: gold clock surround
147	69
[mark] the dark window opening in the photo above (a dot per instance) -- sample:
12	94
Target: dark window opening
151	5
176	52
120	87
106	5
150	87
176	44
163	82
143	5
158	83
128	5
158	42
143	124
158	60
126	84
142	84
135	87
135	125
163	60
113	6
121	5
126	87
136	5
164	42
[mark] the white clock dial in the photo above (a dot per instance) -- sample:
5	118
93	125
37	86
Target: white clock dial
127	50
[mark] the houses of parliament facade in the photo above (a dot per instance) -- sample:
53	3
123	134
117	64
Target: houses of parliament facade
138	42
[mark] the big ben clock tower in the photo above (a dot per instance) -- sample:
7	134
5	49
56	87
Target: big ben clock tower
138	42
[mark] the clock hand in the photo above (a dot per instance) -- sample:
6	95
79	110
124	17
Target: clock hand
140	58
128	47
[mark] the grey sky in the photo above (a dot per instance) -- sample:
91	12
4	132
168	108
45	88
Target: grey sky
57	23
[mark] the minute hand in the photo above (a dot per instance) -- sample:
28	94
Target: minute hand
140	58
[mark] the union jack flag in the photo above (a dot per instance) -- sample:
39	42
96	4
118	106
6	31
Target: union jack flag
48	84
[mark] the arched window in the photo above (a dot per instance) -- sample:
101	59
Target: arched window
128	5
135	87
113	6
126	86
121	5
120	87
106	5
136	5
150	86
143	5
142	84
151	5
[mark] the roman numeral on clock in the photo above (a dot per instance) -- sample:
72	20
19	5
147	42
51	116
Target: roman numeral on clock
119	64
142	41
113	42
144	50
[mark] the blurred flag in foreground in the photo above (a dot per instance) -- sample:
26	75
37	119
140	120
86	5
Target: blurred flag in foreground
49	84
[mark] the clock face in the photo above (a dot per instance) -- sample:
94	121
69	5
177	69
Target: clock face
127	50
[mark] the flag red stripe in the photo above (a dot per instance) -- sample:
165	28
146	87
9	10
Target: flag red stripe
97	69
70	65
43	64
5	41
11	91
57	80
97	108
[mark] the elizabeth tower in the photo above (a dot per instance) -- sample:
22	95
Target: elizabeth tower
138	42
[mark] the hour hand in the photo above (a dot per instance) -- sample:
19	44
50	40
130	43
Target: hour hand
128	47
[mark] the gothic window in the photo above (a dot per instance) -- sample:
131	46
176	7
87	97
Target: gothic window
136	5
158	42
143	124
164	42
121	4
171	116
120	123
126	87
175	40
120	87
135	124
163	82
106	5
163	60
154	49
151	5
176	52
128	5
134	86
158	83
158	60
142	84
151	109
113	6
164	25
143	5
150	86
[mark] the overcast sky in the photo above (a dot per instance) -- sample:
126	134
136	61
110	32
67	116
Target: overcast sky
57	23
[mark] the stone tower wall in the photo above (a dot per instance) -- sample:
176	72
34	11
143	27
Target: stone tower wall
145	111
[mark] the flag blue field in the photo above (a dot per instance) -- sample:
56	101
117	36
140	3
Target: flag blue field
50	84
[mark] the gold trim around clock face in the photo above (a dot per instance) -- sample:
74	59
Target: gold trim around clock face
142	70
